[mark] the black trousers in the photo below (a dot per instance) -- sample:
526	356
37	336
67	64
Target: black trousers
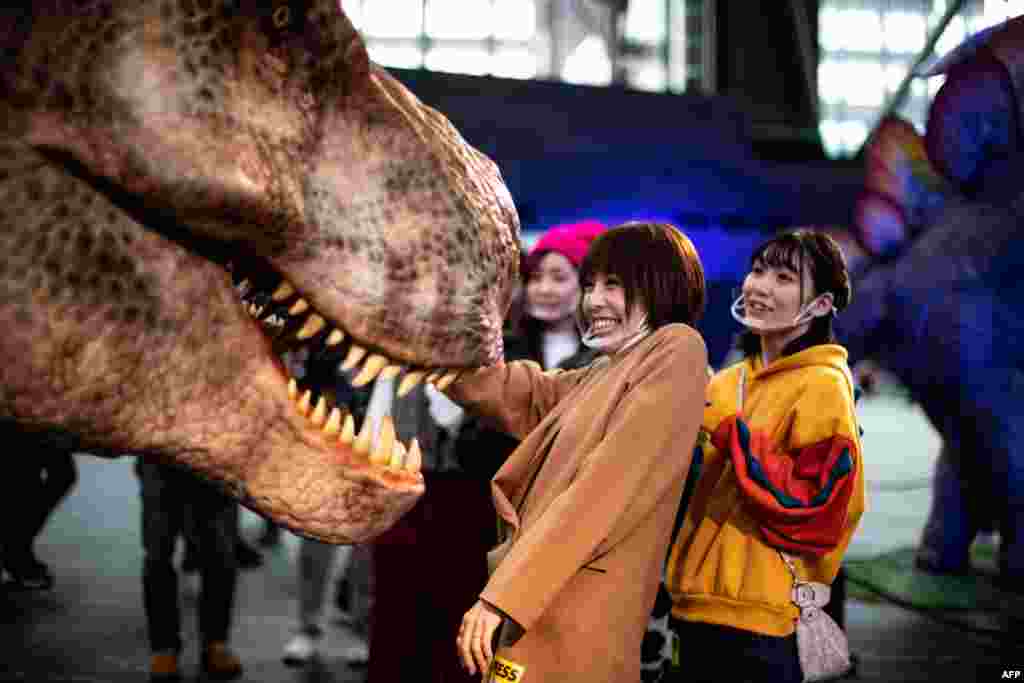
168	495
38	479
709	653
416	620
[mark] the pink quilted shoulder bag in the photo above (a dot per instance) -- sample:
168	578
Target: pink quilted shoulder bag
822	645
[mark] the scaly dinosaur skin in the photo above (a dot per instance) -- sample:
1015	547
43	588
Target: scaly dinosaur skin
147	149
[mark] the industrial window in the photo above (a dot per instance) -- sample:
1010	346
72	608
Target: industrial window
654	45
869	46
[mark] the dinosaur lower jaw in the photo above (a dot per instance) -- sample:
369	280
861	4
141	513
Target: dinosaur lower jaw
338	426
292	324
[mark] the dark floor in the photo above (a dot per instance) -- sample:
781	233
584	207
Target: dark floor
90	626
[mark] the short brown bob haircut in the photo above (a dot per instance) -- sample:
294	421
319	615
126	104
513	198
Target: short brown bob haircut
658	266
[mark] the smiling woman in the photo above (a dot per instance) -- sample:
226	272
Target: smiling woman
781	490
588	498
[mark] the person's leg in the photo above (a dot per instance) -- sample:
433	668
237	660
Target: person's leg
217	520
23	479
51	480
191	554
246	556
162	519
216	535
59	477
271	535
709	653
355	590
315	562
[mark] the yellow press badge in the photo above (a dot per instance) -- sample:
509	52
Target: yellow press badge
505	670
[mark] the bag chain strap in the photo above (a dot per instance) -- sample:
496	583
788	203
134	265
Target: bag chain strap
806	594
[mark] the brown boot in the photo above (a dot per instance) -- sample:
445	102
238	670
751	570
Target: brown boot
163	667
220	663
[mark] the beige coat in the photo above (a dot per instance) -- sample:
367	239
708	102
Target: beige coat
588	543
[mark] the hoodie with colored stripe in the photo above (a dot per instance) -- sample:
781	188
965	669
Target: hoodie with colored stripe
782	471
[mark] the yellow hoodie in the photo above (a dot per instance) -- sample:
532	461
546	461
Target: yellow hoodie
785	472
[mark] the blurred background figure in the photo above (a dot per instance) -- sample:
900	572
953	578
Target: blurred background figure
541	326
169	496
246	556
38	477
316	560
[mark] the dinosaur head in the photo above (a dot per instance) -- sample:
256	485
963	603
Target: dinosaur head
975	131
190	188
938	209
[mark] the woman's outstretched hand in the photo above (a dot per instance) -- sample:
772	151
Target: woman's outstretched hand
476	635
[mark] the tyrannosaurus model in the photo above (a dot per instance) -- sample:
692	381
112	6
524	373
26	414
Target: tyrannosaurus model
187	188
942	305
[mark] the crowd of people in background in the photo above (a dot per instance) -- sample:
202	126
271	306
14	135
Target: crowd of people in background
555	485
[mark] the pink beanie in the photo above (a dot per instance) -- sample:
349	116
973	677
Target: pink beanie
571	240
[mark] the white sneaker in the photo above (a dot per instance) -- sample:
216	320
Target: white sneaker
300	650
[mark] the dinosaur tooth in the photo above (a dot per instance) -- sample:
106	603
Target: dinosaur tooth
283	291
397	456
385	442
299	306
333	425
371	367
355	354
363	441
390	372
447	379
348	429
319	415
413	459
273	323
293	389
305	403
410	380
314	323
335	337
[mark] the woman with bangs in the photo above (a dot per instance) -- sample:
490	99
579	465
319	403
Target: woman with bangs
781	489
588	499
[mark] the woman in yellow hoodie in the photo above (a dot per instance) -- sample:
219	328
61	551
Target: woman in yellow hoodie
782	471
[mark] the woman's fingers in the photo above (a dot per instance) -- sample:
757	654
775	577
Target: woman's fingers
477	637
492	622
463	641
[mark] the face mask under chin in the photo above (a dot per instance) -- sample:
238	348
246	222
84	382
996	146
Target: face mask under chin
627	335
804	315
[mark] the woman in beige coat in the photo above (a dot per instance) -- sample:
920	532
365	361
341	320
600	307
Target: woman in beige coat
588	499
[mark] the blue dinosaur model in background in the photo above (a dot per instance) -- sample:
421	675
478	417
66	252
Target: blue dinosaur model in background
940	299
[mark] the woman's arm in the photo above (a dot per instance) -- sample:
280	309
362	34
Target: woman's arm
800	494
514	396
645	452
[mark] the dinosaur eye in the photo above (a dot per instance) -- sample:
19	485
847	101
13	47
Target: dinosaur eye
282	16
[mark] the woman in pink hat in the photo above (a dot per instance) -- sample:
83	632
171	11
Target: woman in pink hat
548	331
542	330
